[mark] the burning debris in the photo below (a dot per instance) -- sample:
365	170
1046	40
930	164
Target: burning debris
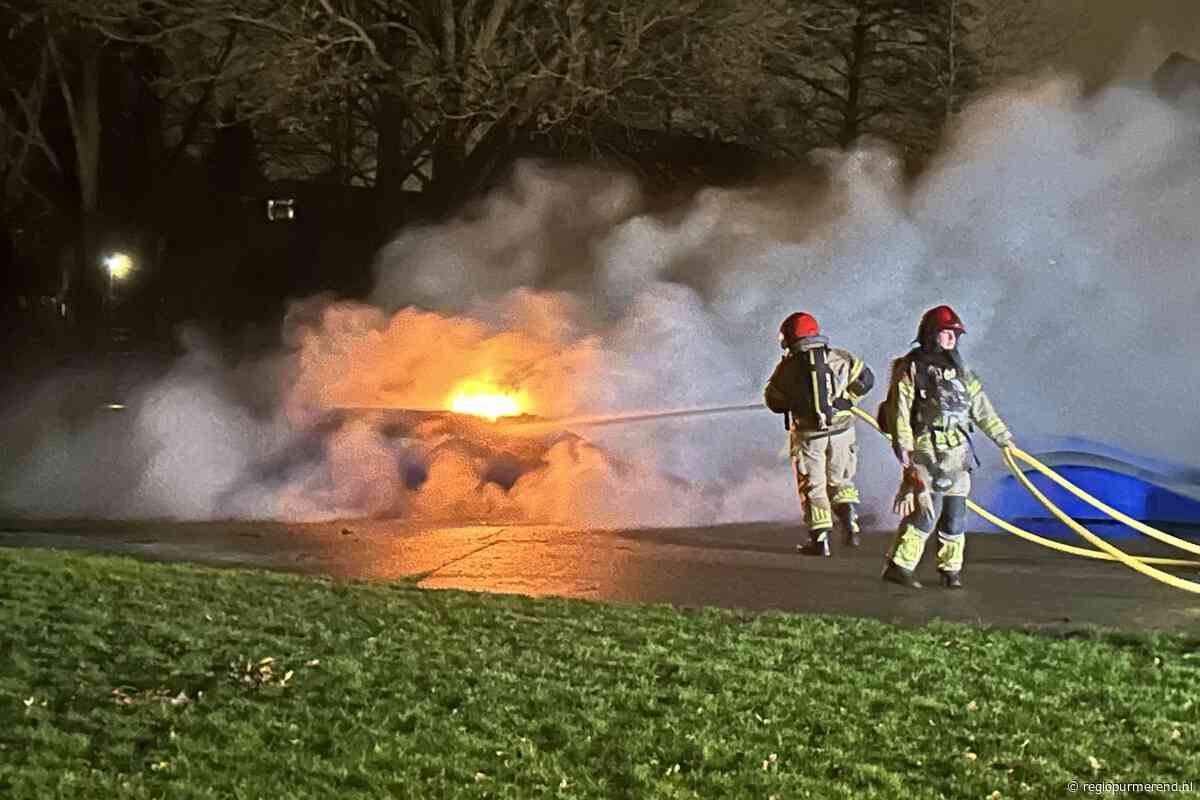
483	399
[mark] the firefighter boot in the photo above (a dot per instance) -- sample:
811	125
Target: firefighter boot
950	559
847	514
951	580
818	544
894	573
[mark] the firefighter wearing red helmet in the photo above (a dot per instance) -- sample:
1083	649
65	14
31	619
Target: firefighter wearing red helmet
934	402
814	386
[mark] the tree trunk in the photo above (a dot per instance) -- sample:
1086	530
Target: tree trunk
443	191
88	157
459	175
391	164
951	65
851	114
87	135
13	185
83	111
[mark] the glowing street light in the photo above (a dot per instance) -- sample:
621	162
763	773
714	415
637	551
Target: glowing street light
119	266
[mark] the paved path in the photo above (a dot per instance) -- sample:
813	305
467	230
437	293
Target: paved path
1009	583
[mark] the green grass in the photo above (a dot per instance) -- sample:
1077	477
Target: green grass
125	679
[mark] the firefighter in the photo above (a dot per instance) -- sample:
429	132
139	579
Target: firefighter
814	386
934	402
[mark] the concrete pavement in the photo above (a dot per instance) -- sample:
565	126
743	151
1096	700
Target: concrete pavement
1009	583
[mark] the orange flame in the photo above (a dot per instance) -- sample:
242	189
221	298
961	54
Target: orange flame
483	399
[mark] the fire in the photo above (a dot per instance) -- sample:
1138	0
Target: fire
485	400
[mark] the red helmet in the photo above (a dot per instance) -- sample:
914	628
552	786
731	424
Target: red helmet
797	326
938	319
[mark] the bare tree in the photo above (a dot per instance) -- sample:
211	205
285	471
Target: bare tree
439	94
874	67
61	74
24	87
466	83
67	71
1016	37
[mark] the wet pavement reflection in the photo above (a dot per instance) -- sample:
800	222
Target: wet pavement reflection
1009	583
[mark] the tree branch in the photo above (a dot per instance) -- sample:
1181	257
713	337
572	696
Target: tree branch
193	121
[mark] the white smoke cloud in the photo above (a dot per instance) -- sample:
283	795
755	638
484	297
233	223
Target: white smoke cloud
1060	226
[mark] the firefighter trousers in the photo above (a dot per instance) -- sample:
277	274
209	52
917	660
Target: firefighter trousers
825	467
947	482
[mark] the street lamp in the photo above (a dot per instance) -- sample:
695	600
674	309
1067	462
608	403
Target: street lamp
119	266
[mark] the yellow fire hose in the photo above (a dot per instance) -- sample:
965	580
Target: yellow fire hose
1107	551
1124	558
1137	525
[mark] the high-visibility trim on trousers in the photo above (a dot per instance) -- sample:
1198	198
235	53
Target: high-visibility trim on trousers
846	493
950	551
819	517
825	468
909	547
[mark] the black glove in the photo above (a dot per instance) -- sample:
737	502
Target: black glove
843	404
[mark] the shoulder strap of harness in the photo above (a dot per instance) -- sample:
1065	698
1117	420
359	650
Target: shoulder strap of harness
920	380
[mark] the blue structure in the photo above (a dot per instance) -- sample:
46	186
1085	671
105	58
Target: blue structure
1164	495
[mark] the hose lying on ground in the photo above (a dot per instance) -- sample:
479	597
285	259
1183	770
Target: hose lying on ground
1140	527
1124	558
1106	553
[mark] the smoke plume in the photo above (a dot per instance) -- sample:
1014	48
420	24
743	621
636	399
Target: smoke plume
1060	226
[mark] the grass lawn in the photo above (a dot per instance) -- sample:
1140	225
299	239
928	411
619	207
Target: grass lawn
125	679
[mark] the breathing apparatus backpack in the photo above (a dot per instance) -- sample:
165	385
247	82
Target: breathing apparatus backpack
810	388
884	415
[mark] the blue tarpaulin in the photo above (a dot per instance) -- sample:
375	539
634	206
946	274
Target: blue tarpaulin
1167	497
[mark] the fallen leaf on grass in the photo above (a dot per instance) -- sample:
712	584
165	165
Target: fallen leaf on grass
134	696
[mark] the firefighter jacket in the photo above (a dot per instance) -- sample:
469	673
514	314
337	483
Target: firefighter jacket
818	403
935	402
